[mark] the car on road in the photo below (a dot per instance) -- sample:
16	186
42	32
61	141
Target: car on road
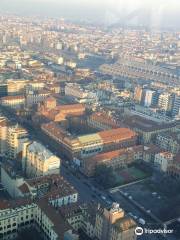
142	221
154	193
103	197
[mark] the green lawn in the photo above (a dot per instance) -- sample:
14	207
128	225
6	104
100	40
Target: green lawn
130	175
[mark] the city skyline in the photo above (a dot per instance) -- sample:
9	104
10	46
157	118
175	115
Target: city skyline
138	12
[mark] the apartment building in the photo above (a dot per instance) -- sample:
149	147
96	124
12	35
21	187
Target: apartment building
112	223
3	135
22	214
174	167
15	215
15	138
16	87
138	94
148	97
38	161
54	187
15	102
149	153
11	180
166	101
163	160
33	97
81	217
74	90
169	141
100	223
176	106
148	129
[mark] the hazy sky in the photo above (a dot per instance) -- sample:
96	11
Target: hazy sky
157	12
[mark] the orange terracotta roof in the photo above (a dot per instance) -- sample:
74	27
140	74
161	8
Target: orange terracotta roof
103	118
24	188
12	98
70	107
113	154
4	204
117	134
3	123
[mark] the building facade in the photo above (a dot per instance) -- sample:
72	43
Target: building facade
39	161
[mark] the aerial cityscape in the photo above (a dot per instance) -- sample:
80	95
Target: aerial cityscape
89	120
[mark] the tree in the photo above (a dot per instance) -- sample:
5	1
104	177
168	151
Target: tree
105	176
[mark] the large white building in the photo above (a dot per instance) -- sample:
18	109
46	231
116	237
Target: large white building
38	161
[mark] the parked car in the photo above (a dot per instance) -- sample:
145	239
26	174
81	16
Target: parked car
103	197
142	221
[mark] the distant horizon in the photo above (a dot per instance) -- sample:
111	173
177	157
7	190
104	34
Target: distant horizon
158	13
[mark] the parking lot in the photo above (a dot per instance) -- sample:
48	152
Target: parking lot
156	199
152	200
